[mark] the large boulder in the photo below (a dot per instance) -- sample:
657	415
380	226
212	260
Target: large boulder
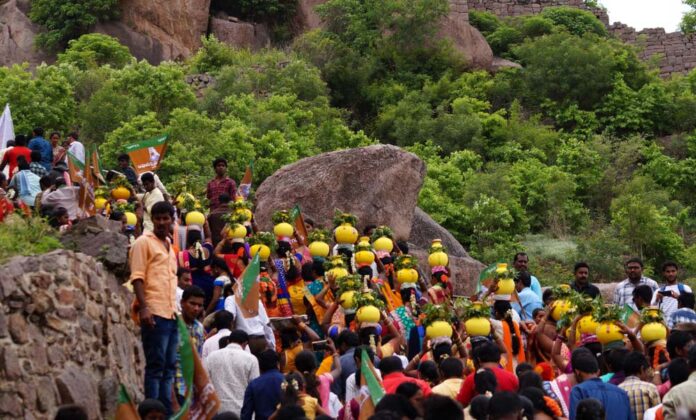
102	239
17	34
424	229
254	36
467	40
464	271
66	337
379	184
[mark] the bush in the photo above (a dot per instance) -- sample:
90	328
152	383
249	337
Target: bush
575	21
20	236
486	22
95	50
67	19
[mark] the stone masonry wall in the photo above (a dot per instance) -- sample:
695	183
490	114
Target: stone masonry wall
65	337
504	8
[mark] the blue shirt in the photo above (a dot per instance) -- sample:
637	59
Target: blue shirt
44	147
614	399
262	395
529	301
536	287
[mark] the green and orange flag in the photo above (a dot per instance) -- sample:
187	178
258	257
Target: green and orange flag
147	155
247	294
125	410
298	220
369	378
245	183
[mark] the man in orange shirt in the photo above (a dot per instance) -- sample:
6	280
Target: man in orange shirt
393	375
153	275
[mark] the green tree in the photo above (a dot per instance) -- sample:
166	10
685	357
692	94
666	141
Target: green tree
688	22
95	50
576	21
67	19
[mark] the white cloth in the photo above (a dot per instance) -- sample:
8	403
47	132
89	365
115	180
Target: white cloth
669	304
230	371
149	199
651	412
63	197
6	127
158	184
257	325
213	343
352	389
77	149
334	405
179	295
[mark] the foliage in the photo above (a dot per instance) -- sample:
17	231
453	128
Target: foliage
341	218
466	309
95	50
21	236
607	313
263	238
688	22
67	19
486	22
319	235
367	298
280	216
436	313
382	231
576	21
406	261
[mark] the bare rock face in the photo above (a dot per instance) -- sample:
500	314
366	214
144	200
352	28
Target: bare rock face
467	40
307	18
501	63
65	337
424	229
464	271
240	34
17	35
379	184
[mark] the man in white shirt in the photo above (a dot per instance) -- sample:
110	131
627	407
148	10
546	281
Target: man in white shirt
667	295
75	148
257	327
223	323
152	195
231	370
623	293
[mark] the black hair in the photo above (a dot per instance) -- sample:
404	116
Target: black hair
291	395
398	404
644	292
519	254
368	228
223	319
268	359
428	371
38	131
123	156
485	381
181	270
451	368
408	389
306	364
309	221
692	358
318	267
390	364
487	353
308	272
192	291
669	263
365	270
239	337
536	396
530	379
440	407
74	135
22	163
193	236
634	363
162	207
478	408
504	310
440	350
366	333
686	300
590	409
403	246
547	295
54	133
224	198
35	156
59	212
349	338
634	260
149	405
536	312
218	262
219	160
291	412
678	371
71	412
223	341
503	404
677	340
147	177
288	337
584	361
227	415
522	368
579	265
46	181
615	359
20	140
524	277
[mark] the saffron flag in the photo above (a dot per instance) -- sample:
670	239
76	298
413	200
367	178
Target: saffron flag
97	174
630	317
247	294
75	168
86	192
486	277
125	410
368	378
245	183
147	155
300	228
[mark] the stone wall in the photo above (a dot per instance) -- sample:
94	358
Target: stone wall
65	337
504	8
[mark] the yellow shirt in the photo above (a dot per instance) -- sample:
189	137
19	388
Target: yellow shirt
449	387
155	265
309	405
296	292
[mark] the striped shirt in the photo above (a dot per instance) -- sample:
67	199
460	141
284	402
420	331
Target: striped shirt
642	395
682	315
623	294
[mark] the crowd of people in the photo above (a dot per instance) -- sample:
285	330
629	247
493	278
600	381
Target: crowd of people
305	350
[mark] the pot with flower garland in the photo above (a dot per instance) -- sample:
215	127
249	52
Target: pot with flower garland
437	321
505	277
344	228
120	188
476	315
562	302
607	316
368	305
234	226
281	225
336	266
406	269
584	306
382	239
437	255
128	210
243	208
101	199
318	243
193	210
348	286
653	328
262	243
363	254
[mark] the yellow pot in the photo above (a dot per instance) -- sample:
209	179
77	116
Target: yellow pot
368	314
436	243
501	268
237	232
120	193
438	258
195	218
587	325
560	307
407	275
131	218
346	234
283	229
505	287
383	244
319	249
347	299
246	213
263	251
439	329
100	203
653	331
338	272
477	327
608	332
364	257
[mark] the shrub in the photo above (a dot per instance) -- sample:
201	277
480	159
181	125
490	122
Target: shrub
95	50
67	19
575	21
486	22
20	236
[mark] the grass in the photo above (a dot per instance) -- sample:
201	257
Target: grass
550	259
20	236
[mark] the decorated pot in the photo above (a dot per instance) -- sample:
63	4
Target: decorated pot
120	193
608	332
246	213
364	257
100	203
368	313
587	325
436	243
438	258
195	218
383	244
347	299
131	218
283	229
237	232
505	287
653	331
407	275
477	327
319	249
560	307
263	250
439	329
346	234
338	272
